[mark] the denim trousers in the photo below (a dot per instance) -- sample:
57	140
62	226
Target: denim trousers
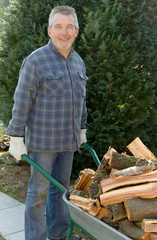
46	214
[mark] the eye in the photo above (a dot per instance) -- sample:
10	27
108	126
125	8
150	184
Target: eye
58	27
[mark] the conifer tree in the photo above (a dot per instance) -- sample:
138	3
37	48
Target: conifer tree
117	43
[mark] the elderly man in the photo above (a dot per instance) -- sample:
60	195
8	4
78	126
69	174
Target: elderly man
50	112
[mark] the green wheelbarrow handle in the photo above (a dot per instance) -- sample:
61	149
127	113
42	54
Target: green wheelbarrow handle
93	153
49	177
44	173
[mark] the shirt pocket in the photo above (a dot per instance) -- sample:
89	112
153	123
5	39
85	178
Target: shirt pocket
81	84
54	84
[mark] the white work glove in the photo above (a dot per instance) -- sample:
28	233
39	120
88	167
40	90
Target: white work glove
17	147
83	138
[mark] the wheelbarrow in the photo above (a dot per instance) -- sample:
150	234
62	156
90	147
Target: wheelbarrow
92	226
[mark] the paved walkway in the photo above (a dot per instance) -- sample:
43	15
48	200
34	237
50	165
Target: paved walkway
11	218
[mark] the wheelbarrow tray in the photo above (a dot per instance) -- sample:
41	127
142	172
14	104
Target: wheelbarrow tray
92	225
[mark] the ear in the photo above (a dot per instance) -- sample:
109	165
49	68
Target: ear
77	31
49	32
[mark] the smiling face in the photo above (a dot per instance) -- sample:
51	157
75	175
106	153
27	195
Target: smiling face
63	32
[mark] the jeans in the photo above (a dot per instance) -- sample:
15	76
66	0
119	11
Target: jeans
43	197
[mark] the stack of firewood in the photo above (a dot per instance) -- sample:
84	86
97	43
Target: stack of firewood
122	192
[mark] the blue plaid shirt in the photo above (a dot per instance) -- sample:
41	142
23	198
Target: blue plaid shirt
50	104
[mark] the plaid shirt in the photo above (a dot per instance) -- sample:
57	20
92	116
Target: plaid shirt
50	104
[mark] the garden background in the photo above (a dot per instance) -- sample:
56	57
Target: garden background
117	41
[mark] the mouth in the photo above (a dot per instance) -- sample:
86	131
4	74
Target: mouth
64	38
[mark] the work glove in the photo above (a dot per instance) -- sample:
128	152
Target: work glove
17	147
83	138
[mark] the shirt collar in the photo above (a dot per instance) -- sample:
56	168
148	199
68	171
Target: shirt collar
54	49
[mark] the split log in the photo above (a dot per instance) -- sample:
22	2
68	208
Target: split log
103	213
87	204
109	153
119	161
153	236
148	190
102	171
139	150
119	212
137	208
85	179
149	225
131	230
111	183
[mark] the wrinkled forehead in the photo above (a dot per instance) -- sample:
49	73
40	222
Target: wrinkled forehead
63	19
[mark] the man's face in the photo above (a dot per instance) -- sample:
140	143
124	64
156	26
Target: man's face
62	32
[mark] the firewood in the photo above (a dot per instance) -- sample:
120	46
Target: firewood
139	150
153	236
148	190
119	212
103	213
111	183
119	161
102	171
131	230
87	204
94	190
85	179
108	154
135	170
137	208
109	219
149	225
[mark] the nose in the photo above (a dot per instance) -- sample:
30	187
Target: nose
64	31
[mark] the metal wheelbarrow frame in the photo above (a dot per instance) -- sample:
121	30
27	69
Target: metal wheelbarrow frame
92	226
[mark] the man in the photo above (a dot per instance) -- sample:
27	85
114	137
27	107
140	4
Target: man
50	111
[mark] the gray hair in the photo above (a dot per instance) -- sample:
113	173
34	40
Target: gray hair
66	10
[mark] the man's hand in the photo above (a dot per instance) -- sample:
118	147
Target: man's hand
83	138
17	147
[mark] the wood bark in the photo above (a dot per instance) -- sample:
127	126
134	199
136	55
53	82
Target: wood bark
148	190
139	150
135	170
119	212
131	230
137	208
111	183
119	161
87	204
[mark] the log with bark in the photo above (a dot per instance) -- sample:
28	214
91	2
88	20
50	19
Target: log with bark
130	229
119	161
118	212
138	208
135	170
